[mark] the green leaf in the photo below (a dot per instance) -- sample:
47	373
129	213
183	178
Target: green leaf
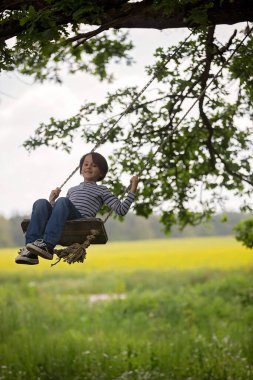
244	232
23	20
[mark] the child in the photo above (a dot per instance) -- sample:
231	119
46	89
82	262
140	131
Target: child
82	201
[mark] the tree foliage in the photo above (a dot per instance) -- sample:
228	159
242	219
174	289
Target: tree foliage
208	153
46	33
202	156
244	232
135	228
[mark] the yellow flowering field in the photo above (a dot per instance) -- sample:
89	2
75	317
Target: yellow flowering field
181	254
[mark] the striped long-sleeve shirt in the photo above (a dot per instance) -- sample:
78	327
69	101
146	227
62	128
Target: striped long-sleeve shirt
89	197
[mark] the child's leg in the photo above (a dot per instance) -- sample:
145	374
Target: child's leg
41	212
63	210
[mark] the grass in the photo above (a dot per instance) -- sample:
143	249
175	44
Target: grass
186	313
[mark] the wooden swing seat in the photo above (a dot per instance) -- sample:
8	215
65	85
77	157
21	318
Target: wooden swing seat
77	230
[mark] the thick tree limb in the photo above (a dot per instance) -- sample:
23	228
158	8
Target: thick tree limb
130	15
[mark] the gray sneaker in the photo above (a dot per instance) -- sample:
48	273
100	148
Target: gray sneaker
40	248
26	257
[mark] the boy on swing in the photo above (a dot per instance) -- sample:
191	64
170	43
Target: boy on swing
82	201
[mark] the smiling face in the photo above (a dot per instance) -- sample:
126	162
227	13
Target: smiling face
90	171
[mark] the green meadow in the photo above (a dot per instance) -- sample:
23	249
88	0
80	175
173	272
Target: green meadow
165	309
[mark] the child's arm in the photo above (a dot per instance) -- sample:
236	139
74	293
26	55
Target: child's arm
121	207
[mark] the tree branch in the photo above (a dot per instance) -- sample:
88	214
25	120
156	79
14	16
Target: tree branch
203	83
222	50
237	174
142	14
82	37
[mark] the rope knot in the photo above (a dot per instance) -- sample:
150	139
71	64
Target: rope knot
75	252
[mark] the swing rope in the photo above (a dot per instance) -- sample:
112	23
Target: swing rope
157	71
77	252
173	129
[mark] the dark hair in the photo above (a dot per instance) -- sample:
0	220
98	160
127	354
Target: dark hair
99	160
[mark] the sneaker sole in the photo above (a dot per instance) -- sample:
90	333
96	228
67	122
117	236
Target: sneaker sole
26	260
40	252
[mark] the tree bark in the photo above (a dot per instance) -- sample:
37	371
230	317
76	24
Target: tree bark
121	14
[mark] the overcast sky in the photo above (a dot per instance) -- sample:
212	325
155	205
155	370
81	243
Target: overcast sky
23	105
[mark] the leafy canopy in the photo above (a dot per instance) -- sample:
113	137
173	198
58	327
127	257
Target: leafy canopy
208	154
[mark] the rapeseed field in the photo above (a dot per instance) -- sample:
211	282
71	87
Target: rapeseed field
163	254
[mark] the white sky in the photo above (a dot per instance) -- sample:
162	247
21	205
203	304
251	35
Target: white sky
26	177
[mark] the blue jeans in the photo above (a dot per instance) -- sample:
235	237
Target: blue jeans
47	222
